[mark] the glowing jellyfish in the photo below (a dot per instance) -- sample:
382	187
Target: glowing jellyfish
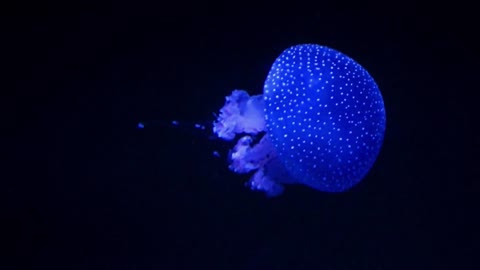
322	118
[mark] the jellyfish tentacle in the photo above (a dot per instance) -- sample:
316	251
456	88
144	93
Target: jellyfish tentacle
261	182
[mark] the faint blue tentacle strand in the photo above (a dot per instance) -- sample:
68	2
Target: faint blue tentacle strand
324	115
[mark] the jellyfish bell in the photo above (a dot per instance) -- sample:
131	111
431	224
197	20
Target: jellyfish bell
322	118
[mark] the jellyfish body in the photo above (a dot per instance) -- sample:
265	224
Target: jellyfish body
323	117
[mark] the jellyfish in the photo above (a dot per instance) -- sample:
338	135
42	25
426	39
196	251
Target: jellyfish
320	122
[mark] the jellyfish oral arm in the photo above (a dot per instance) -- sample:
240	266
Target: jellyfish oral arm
245	158
259	181
244	114
240	114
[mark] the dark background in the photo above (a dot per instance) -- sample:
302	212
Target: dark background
85	189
